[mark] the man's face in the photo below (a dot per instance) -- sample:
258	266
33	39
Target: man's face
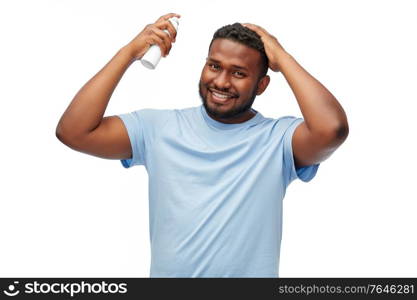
230	81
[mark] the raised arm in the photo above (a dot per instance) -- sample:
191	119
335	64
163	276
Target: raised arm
325	125
82	126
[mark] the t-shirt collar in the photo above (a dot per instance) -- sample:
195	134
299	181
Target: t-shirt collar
211	122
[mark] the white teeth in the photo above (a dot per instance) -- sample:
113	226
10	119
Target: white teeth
221	96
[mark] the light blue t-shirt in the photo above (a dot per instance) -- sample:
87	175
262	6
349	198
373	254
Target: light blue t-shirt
215	190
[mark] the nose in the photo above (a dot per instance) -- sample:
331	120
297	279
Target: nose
222	80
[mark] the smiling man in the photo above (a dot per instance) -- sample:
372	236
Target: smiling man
218	172
232	91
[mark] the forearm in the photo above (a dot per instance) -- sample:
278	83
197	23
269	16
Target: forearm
321	111
86	110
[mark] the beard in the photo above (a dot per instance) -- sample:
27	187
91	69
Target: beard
230	114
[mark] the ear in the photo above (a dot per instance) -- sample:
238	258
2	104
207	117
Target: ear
262	85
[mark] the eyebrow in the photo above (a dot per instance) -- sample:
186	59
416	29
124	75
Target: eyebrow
235	66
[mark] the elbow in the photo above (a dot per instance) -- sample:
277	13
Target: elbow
342	132
63	136
69	137
333	136
337	130
60	135
338	136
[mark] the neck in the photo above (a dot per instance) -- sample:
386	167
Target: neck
247	115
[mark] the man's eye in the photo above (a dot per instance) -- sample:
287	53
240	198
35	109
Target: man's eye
240	74
214	66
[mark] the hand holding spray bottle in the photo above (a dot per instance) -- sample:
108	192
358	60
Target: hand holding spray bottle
153	55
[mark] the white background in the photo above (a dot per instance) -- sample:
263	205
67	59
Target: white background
64	213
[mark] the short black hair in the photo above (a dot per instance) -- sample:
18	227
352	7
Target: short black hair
243	35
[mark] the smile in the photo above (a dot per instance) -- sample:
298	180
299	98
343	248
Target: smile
221	97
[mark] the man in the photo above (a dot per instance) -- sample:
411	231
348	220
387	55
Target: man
217	172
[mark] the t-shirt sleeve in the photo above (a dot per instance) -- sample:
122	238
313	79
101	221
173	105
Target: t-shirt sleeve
135	128
305	173
143	127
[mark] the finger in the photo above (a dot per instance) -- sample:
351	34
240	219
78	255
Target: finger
156	40
165	39
256	28
172	31
249	25
168	16
167	25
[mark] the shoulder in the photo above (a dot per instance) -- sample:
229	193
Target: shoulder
154	112
159	118
152	116
287	120
282	124
188	111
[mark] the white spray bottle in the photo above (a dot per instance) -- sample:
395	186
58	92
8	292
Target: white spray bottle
153	55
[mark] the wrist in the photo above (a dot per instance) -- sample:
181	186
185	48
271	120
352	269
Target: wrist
282	56
128	52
